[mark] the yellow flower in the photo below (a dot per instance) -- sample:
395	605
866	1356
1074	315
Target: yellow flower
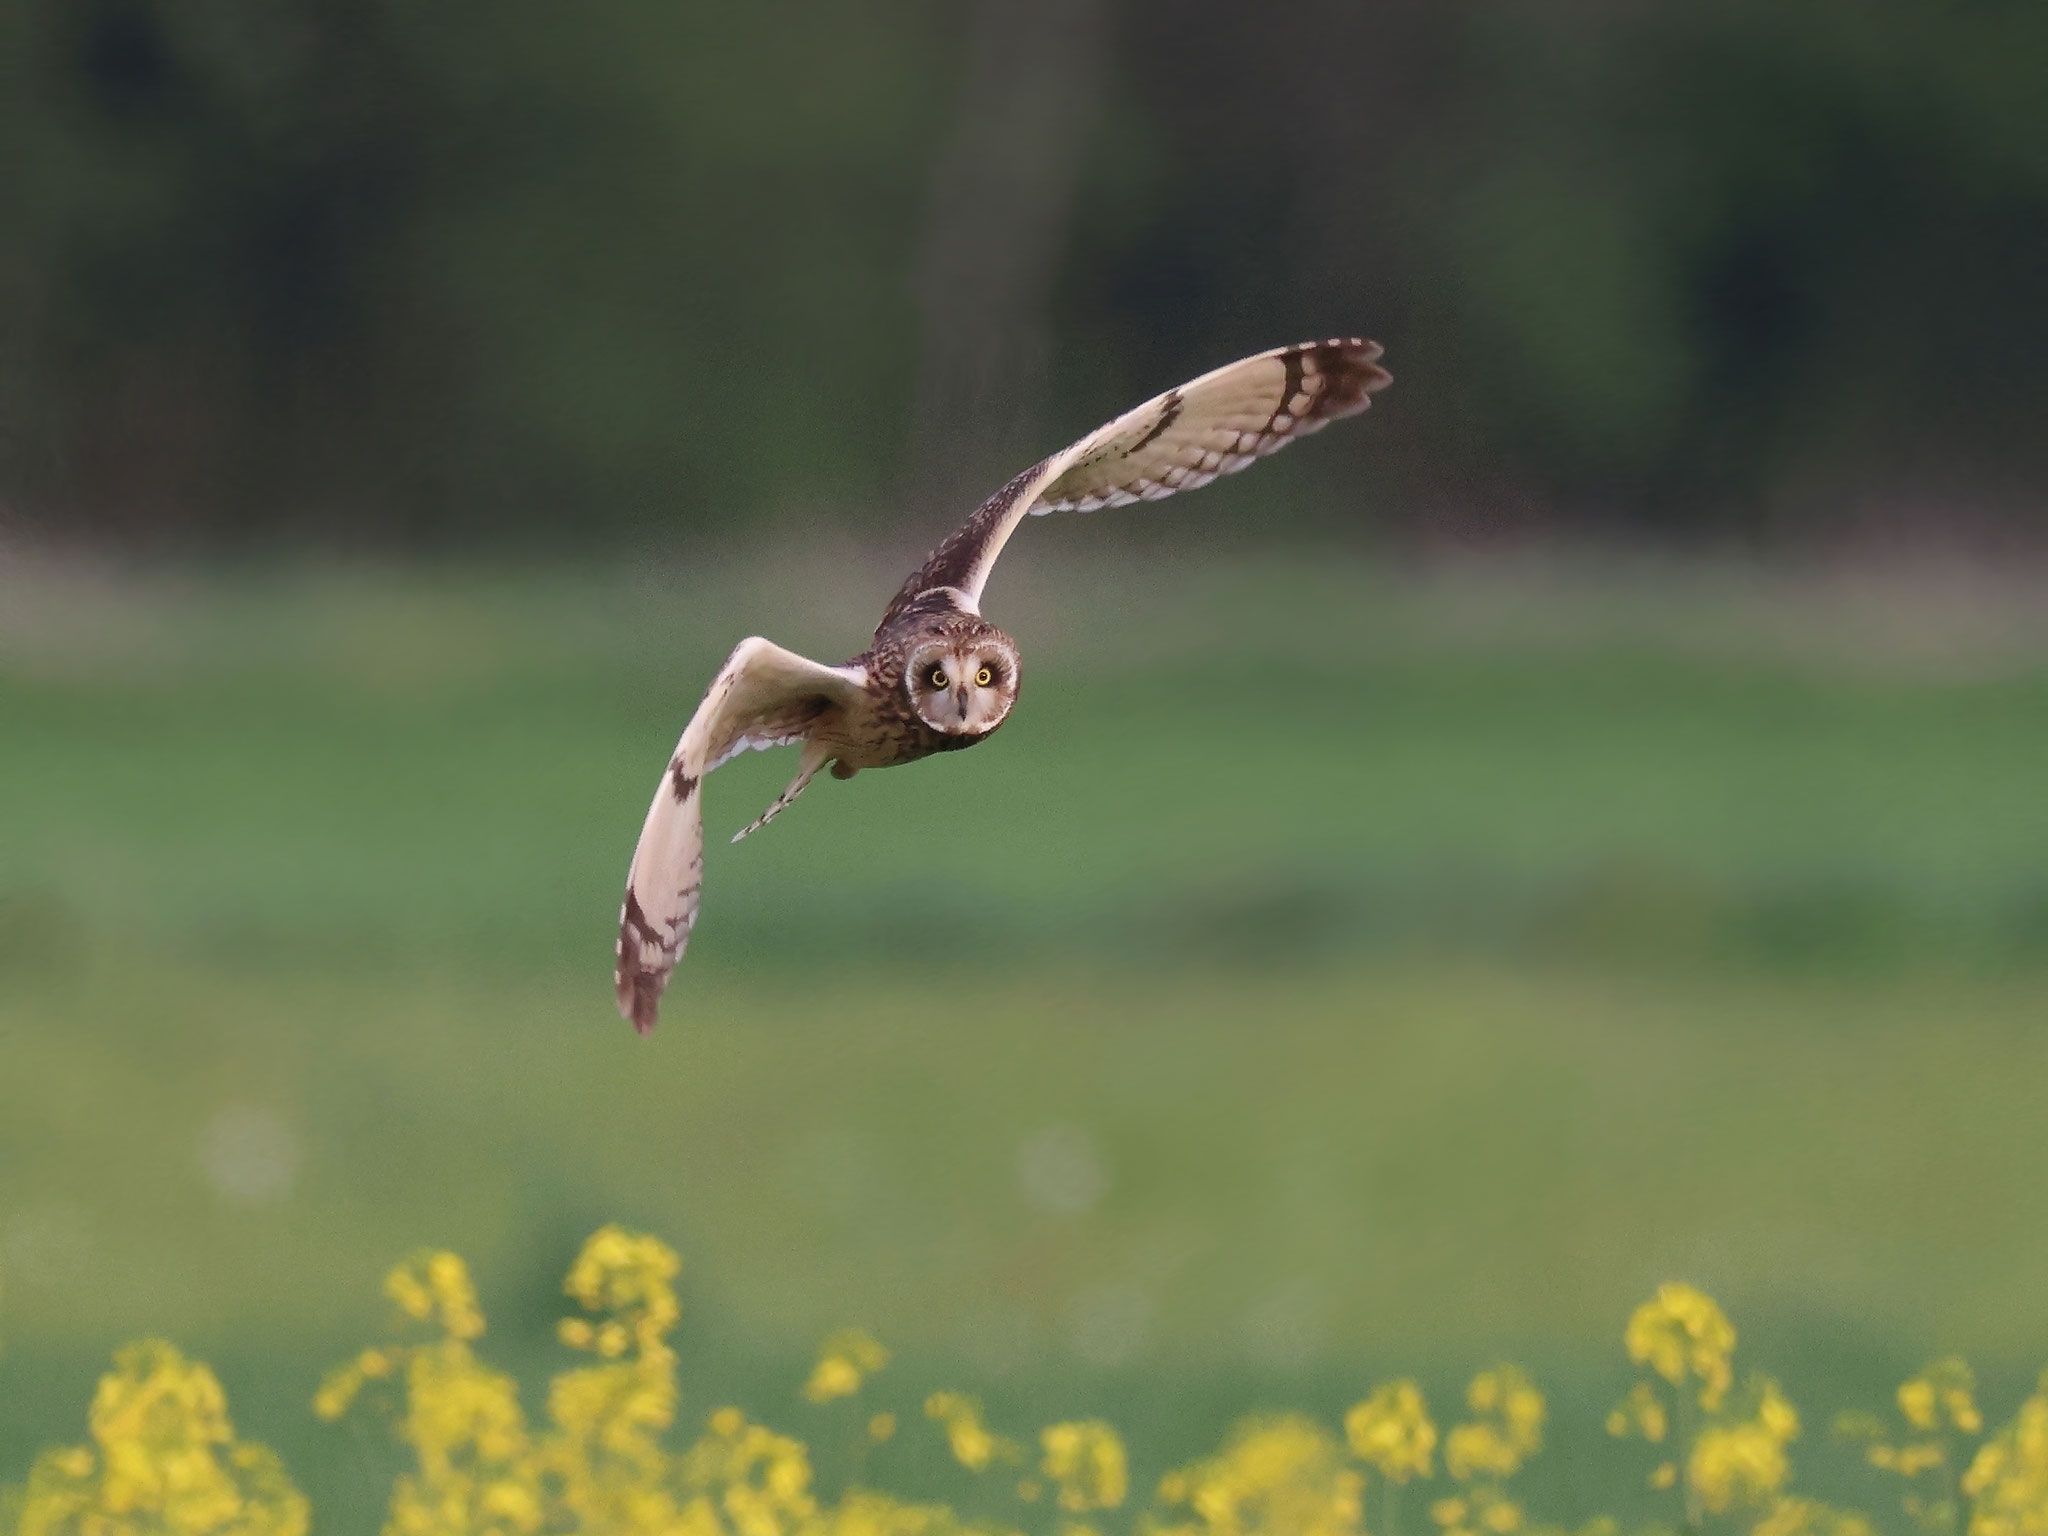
1740	1463
1809	1517
1942	1396
1916	1402
1391	1431
1273	1477
881	1427
972	1443
2007	1483
167	1463
1086	1461
631	1276
1681	1334
760	1481
1775	1414
1508	1431
1642	1412
847	1359
434	1287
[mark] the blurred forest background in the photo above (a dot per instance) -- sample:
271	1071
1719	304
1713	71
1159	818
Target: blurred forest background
1579	826
342	271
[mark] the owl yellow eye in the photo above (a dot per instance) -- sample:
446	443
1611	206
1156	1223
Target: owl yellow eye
938	678
983	678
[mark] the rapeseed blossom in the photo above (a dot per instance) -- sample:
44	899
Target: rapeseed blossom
1281	1476
2007	1483
1939	1410
847	1360
1086	1462
1506	1429
163	1458
1739	1463
164	1461
1809	1517
973	1445
475	1466
1682	1335
1392	1433
605	1460
1726	1460
759	1481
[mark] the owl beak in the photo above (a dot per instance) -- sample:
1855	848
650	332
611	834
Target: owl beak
960	697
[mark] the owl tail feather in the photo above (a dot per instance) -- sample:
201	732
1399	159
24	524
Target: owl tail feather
814	758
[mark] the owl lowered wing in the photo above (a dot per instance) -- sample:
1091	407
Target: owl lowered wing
1212	426
762	697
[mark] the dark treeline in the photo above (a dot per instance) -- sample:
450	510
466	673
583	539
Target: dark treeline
418	271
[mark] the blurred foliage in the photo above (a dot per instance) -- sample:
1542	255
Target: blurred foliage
601	1462
352	269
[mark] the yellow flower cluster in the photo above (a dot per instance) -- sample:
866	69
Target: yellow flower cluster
758	1480
2007	1483
1809	1517
1730	1457
475	1467
1484	1452
972	1443
847	1360
1391	1432
1086	1462
1506	1431
1685	1338
1937	1406
600	1464
164	1460
1281	1476
1741	1462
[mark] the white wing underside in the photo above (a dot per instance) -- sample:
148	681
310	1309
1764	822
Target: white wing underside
764	696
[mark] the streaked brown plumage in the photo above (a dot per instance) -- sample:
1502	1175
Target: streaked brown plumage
938	676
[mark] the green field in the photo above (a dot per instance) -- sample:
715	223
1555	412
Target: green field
1330	971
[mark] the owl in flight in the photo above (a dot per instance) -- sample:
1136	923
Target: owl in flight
938	676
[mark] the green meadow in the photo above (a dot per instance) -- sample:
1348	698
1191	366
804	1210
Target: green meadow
1333	970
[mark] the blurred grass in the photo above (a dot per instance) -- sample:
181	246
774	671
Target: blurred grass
1326	968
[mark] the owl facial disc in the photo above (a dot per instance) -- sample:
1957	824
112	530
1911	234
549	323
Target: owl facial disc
963	685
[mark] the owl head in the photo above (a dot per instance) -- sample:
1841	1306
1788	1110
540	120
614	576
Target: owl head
962	681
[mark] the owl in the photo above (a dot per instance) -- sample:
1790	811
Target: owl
939	677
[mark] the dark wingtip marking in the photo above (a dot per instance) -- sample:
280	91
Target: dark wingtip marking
637	989
639	996
1352	375
682	783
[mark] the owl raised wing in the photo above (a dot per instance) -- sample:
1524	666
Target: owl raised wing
938	676
1211	426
